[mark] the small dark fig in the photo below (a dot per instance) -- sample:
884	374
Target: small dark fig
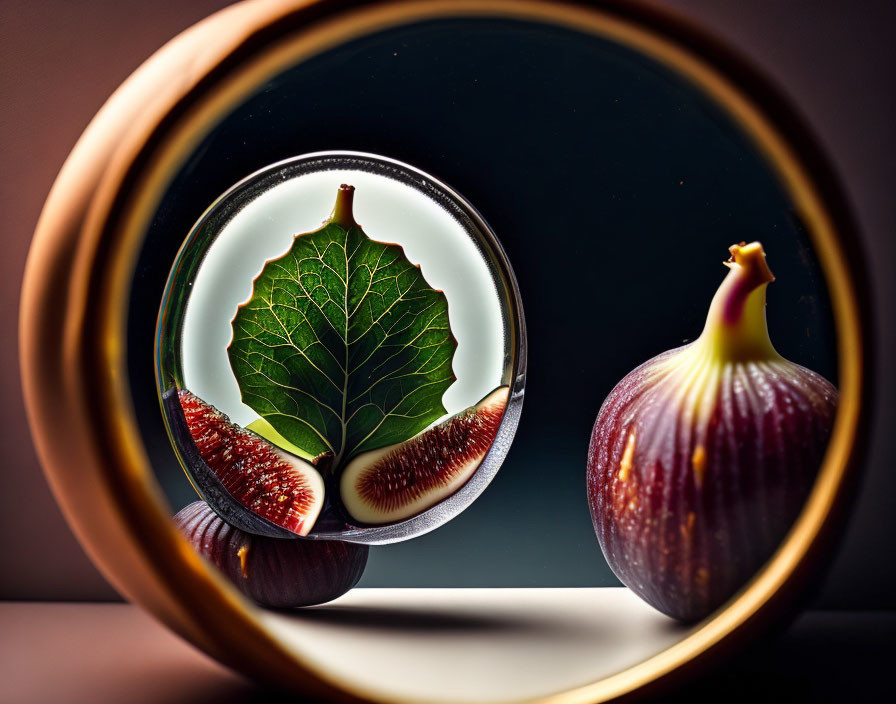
701	458
271	483
402	480
275	572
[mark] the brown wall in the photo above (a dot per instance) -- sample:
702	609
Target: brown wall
59	59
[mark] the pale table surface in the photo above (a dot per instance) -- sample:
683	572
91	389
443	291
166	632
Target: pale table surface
109	653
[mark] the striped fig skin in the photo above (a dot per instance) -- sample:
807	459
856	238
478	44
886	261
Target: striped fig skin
274	572
701	459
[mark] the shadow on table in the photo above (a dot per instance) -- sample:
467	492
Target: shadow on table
384	618
412	618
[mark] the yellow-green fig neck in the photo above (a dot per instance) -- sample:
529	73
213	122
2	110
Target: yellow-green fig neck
736	329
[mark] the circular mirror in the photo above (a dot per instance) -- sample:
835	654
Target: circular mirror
617	153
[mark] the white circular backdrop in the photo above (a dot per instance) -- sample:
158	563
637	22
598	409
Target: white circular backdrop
387	211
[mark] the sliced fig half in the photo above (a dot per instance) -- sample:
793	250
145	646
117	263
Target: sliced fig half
399	481
281	488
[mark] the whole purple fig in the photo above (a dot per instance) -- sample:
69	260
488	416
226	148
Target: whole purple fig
273	572
701	458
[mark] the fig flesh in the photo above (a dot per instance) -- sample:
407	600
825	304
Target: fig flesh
701	458
280	573
279	487
402	480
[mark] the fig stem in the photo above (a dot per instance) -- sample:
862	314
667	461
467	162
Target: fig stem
736	327
342	212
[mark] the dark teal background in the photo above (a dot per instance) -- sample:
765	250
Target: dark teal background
615	187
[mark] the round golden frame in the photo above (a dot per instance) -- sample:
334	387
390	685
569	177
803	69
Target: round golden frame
79	271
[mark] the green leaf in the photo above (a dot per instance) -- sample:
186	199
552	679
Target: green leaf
343	345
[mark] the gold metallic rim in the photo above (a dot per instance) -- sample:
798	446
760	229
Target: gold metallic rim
79	274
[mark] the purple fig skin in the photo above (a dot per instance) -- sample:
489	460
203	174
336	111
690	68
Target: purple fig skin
274	572
700	462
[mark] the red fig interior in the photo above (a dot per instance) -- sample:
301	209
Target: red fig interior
399	481
273	484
